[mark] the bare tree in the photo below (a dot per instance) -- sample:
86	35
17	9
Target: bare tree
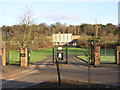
23	34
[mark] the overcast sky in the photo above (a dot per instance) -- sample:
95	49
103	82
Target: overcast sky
64	12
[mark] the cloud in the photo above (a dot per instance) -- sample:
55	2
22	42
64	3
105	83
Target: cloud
62	17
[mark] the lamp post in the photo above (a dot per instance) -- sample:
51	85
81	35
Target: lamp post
91	56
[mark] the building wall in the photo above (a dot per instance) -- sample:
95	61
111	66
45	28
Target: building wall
73	37
61	39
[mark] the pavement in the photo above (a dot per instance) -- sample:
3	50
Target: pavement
44	70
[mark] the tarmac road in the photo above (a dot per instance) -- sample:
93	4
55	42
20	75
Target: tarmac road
76	69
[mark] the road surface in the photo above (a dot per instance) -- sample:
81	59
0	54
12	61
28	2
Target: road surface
76	69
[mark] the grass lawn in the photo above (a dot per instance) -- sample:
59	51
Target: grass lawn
107	56
76	51
37	55
13	56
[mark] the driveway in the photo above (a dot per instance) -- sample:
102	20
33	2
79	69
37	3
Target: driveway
44	70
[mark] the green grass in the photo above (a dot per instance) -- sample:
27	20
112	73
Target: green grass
104	59
13	56
76	51
107	56
36	55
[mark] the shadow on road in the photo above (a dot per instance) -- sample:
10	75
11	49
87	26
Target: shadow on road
13	84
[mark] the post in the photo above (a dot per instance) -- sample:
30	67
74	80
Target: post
3	57
58	72
89	59
96	34
97	55
7	57
53	55
92	54
66	55
88	72
117	61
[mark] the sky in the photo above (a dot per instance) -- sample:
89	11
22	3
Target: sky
74	13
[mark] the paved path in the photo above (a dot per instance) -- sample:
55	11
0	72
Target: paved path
76	69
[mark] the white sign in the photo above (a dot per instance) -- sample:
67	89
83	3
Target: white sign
59	55
59	48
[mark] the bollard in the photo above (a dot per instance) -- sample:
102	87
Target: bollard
96	55
3	57
117	61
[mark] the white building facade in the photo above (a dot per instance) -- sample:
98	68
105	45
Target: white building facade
61	39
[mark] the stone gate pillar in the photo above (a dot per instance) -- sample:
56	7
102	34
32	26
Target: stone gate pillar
97	55
27	56
0	56
24	57
117	61
3	57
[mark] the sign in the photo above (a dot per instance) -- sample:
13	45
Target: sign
59	48
59	55
22	55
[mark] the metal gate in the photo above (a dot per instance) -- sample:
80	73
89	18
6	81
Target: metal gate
13	57
62	54
107	56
